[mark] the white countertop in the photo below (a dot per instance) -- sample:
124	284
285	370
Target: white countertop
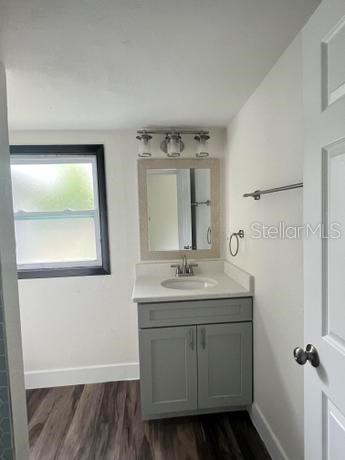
231	282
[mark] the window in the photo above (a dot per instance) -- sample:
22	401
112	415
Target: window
60	213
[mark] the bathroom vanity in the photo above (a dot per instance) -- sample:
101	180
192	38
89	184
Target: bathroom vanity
195	319
195	342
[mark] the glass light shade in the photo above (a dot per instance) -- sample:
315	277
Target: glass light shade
174	146
144	148
202	148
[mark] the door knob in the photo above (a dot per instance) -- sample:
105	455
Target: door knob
309	354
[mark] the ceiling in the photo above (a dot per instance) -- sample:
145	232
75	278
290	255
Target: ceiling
110	64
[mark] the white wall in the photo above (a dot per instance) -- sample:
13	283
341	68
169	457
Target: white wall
9	305
264	150
86	328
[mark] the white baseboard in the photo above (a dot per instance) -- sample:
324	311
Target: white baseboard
266	433
81	375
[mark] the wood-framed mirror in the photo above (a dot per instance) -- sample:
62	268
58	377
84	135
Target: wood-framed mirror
178	208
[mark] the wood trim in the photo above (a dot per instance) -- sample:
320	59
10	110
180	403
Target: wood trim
31	273
266	433
103	210
97	150
81	375
213	165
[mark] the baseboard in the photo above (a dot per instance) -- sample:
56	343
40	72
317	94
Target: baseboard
266	433
81	375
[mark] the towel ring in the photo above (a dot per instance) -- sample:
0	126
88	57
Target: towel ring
237	235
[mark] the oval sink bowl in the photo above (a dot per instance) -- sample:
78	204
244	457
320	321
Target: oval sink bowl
189	283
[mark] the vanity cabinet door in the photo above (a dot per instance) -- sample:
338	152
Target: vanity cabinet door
168	369
224	365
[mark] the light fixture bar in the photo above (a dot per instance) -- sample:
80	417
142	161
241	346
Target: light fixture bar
172	131
172	144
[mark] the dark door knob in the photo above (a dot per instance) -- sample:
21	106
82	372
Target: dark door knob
309	354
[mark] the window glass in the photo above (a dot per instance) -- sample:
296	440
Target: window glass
52	187
55	240
60	214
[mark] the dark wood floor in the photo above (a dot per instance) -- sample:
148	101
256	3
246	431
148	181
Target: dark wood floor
103	421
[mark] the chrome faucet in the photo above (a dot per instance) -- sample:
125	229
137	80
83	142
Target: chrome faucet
185	269
184	264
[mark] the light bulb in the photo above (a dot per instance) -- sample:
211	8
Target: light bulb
174	146
202	149
144	147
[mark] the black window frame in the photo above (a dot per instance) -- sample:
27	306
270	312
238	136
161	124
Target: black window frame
96	150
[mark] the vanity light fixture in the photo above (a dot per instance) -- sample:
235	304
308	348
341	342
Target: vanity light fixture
172	144
202	149
144	148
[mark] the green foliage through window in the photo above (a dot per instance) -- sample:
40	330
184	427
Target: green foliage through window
52	187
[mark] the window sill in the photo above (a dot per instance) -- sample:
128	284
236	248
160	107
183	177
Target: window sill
62	272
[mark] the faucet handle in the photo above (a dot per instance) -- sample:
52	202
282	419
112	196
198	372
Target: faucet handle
178	269
190	268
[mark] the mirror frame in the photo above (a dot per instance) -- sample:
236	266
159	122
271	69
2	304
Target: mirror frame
213	166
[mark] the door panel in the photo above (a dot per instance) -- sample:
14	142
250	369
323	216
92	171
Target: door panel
168	369
335	428
333	65
324	202
333	323
195	312
224	365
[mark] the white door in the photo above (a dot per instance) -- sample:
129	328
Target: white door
324	258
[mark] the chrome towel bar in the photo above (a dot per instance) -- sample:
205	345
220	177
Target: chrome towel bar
257	193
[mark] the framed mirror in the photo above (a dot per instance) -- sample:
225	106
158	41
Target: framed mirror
178	208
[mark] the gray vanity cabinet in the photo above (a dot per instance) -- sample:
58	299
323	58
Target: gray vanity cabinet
224	365
168	369
195	356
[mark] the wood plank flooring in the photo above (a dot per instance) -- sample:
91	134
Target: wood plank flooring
103	422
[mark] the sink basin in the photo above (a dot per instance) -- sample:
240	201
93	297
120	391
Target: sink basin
189	283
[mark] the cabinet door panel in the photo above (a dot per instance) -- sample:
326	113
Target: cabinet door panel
168	369
224	365
192	312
